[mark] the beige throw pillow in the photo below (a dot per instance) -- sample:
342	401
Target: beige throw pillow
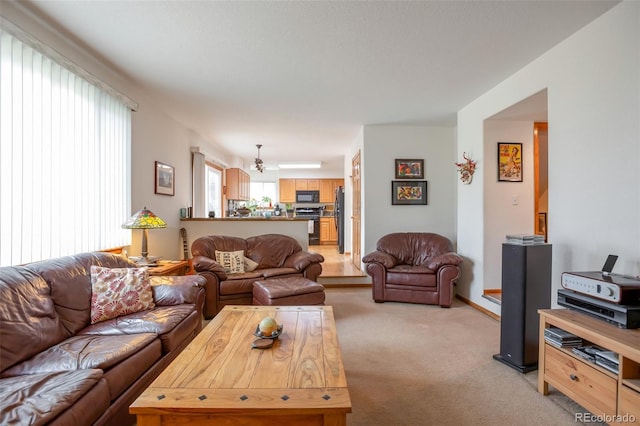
231	261
249	265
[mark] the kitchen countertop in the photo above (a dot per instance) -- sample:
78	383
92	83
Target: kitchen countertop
248	218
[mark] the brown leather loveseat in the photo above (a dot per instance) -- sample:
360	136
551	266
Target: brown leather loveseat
266	256
57	368
413	267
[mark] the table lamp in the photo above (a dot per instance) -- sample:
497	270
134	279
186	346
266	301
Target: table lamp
144	219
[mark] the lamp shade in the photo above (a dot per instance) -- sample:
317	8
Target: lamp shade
144	219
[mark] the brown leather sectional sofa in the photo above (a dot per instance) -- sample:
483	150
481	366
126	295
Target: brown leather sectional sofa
56	368
277	256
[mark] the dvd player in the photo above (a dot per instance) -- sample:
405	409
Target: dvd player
623	316
610	287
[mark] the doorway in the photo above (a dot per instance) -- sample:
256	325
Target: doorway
541	181
514	207
356	251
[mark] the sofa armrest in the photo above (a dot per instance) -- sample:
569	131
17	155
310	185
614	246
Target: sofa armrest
206	264
443	259
301	259
176	290
385	259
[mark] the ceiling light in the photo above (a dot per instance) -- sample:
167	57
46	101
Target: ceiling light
306	165
259	163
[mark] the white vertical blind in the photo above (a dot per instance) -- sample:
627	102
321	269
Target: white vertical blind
198	181
213	189
64	155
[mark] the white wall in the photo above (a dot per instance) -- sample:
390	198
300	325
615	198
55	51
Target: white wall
501	216
593	83
382	145
155	137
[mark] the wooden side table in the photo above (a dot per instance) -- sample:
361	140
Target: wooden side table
173	267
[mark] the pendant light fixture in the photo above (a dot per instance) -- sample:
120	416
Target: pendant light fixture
259	163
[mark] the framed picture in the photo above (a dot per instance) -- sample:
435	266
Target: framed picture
165	179
542	225
409	192
409	169
509	162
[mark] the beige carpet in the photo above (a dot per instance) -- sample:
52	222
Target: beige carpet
422	365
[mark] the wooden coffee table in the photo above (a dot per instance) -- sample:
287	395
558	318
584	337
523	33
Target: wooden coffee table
218	377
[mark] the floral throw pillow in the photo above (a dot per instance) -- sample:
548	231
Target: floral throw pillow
119	291
231	261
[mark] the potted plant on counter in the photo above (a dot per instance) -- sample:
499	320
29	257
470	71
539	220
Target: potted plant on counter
289	208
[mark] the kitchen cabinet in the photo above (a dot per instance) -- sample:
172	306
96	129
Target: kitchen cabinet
328	231
307	184
287	191
238	184
327	188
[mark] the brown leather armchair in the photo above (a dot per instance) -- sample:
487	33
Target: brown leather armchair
413	267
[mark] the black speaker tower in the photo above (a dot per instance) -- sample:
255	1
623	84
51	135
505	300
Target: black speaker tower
526	287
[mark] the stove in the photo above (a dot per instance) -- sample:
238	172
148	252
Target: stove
313	214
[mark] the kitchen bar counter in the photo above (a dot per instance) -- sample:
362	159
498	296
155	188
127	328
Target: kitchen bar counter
244	227
245	218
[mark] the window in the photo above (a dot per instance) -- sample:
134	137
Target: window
260	190
213	193
64	157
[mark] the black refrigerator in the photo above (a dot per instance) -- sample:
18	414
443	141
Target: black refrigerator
338	217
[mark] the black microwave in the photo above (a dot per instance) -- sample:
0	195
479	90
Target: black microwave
307	196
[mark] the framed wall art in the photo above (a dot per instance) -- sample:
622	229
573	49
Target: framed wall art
165	179
541	228
409	192
409	169
509	162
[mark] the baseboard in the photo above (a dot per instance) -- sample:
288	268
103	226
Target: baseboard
346	285
352	281
478	307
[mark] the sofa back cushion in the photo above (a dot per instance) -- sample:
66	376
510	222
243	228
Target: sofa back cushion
414	248
69	278
271	250
268	250
207	246
28	316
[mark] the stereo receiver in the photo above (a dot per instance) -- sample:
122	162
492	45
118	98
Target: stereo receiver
613	288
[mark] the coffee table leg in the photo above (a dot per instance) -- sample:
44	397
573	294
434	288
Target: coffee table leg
335	420
146	420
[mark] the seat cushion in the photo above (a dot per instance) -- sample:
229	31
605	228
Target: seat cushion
415	276
37	399
83	352
161	320
288	291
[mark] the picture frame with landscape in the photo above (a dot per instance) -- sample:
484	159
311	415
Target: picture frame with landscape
164	179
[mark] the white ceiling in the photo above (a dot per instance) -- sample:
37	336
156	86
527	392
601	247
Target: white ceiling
302	77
